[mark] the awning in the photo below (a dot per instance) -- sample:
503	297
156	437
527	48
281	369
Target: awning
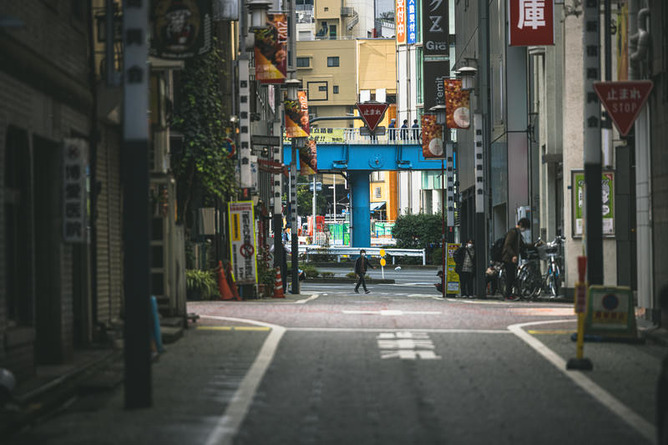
376	205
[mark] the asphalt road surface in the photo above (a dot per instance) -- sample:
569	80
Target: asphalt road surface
397	366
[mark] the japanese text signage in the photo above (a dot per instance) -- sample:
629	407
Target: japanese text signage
411	22
531	22
242	241
623	101
435	28
400	21
75	152
135	74
372	114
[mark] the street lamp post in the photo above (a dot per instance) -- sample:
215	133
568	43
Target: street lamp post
293	85
440	112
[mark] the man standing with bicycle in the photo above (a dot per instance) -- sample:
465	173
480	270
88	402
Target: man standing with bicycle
512	247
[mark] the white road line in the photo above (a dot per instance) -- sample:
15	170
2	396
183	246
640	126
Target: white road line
228	425
642	426
390	313
306	300
436	331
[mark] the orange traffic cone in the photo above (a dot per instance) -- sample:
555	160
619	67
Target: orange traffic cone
231	283
278	285
223	287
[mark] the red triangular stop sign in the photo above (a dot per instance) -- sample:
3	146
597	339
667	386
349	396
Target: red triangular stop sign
372	113
623	100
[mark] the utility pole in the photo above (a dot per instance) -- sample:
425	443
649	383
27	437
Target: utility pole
136	233
296	144
593	231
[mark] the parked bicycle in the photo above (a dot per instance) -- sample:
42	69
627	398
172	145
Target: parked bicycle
530	282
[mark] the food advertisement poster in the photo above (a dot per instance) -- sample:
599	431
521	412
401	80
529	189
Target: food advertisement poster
271	53
296	117
432	137
457	105
308	158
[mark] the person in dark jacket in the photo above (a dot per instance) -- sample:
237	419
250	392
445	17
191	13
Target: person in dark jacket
512	247
416	130
403	134
361	266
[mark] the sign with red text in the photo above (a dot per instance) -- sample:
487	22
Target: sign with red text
623	101
242	241
531	22
372	114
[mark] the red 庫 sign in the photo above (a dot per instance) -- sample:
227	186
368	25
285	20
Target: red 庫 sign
372	114
623	101
531	22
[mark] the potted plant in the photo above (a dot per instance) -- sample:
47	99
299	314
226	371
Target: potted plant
200	284
265	279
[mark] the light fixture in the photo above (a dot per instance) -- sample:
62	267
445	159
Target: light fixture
467	75
293	86
439	111
258	12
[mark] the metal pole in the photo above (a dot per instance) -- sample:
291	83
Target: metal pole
444	244
137	349
293	204
592	144
315	227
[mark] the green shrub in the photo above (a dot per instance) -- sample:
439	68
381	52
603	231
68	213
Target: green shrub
327	274
200	284
309	270
352	275
436	256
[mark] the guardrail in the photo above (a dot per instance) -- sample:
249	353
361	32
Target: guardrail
310	249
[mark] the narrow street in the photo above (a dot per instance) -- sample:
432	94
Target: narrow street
397	366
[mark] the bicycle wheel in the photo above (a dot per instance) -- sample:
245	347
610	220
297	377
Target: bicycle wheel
523	283
552	286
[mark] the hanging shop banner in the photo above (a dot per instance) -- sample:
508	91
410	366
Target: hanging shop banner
271	50
435	31
432	137
400	21
531	22
434	74
182	28
457	106
607	202
296	117
308	158
242	241
452	284
75	153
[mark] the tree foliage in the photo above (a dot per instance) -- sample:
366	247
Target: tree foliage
203	163
418	231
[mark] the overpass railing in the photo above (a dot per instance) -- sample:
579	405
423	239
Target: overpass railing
398	136
308	250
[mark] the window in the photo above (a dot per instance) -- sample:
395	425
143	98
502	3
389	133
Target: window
377	192
303	62
335	89
333	61
377	176
322	88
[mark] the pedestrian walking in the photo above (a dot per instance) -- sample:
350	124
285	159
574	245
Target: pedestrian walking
361	266
465	261
392	128
512	247
404	130
416	130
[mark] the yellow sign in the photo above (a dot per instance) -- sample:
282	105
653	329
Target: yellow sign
382	253
235	227
452	276
383	262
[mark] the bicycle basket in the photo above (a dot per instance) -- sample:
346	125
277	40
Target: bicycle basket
542	251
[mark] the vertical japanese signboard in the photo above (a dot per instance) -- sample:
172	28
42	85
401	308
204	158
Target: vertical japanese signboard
435	28
531	22
400	21
75	152
182	28
242	241
271	52
411	22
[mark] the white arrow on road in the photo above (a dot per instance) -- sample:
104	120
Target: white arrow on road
391	313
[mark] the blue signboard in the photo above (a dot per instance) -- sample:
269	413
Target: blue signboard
411	22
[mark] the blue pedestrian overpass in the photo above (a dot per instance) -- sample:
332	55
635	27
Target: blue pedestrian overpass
346	150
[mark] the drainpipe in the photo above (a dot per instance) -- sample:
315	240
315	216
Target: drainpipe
638	41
